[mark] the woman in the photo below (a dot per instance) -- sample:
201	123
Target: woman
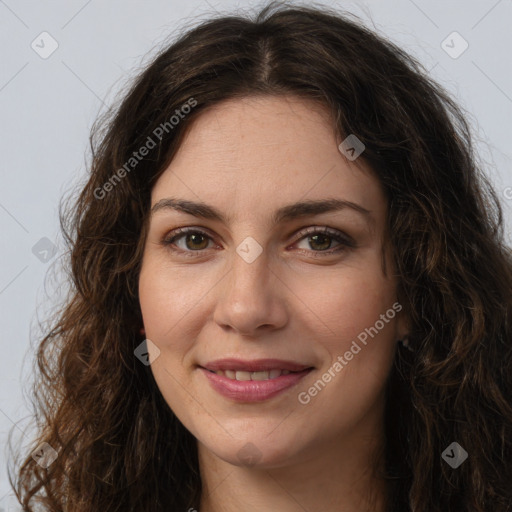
291	289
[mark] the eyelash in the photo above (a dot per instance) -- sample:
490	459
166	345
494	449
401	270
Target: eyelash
345	242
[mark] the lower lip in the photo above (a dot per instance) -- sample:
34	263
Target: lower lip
253	390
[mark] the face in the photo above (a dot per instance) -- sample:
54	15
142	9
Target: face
231	270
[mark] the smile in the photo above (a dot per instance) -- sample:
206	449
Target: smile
242	375
243	386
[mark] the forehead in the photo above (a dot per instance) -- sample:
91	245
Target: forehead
257	154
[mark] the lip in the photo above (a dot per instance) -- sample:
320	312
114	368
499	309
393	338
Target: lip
255	365
253	390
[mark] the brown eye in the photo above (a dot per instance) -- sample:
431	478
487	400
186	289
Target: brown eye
320	240
195	241
188	240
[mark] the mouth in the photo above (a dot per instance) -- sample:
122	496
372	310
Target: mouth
244	375
253	381
255	365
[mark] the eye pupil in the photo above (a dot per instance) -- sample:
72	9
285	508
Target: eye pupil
324	237
194	237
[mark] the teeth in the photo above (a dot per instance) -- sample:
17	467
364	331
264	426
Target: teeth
241	375
259	375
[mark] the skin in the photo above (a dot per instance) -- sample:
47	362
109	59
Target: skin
247	158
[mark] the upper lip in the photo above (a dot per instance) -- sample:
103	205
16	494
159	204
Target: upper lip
255	365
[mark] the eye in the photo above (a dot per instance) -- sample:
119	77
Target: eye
320	239
191	241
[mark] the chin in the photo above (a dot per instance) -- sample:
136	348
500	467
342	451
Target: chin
254	452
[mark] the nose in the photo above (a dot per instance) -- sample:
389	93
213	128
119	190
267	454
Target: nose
252	298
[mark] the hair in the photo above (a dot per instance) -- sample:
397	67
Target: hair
120	446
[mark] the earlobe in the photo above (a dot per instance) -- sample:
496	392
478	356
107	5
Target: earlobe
403	331
405	343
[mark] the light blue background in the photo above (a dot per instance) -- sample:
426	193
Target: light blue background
47	107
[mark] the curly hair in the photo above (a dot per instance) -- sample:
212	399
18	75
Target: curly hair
119	445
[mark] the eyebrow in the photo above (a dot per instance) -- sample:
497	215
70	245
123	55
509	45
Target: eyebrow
285	213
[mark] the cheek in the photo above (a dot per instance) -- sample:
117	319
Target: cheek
167	296
164	303
350	310
359	322
345	304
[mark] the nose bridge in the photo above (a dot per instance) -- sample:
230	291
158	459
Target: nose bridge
247	300
249	267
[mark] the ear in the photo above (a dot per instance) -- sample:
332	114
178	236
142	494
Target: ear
402	326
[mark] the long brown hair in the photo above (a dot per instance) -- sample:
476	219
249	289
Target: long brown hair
120	447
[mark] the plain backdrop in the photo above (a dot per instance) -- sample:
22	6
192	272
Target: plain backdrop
63	63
